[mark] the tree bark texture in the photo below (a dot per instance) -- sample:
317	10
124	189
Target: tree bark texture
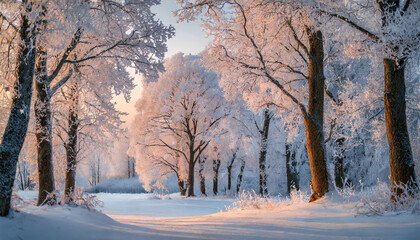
191	168
201	174
291	174
229	168
71	145
339	164
314	120
216	166
400	154
181	186
17	125
263	153
240	175
43	128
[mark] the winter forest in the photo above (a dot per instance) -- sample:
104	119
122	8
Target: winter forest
209	119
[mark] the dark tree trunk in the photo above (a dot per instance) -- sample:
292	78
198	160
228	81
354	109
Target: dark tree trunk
181	186
202	178
190	180
263	153
314	121
98	171
71	145
216	166
240	175
17	125
191	167
339	164
128	168
400	154
291	173
43	129
229	168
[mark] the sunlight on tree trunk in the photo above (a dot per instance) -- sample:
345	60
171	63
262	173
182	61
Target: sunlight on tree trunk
314	121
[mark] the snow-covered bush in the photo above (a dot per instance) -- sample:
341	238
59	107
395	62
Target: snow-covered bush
251	200
347	192
296	197
85	200
377	201
248	200
159	195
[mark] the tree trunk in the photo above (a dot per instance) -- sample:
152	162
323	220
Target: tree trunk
292	177
71	145
229	168
263	153
202	178
216	166
339	164
43	129
17	125
98	171
314	121
190	179
128	168
400	156
191	166
181	187
239	180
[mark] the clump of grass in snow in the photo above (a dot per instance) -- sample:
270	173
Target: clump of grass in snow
248	200
377	201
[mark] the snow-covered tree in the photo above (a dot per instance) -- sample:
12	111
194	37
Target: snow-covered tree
290	57
394	27
176	117
132	37
26	30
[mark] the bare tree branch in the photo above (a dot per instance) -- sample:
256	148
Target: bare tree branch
353	24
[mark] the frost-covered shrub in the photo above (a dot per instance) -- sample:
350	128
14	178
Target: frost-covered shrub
159	195
348	192
251	200
85	200
296	197
377	201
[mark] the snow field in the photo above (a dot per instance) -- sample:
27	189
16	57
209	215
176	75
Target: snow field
147	216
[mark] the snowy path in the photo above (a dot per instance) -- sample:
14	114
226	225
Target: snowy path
201	218
139	217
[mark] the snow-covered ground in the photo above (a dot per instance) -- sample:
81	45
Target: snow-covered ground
143	216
